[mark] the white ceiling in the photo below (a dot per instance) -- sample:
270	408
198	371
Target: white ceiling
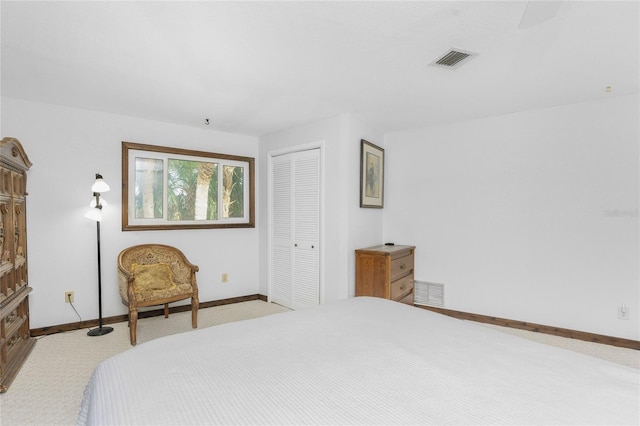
259	67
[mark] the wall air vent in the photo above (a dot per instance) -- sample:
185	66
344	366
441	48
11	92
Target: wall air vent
453	58
429	294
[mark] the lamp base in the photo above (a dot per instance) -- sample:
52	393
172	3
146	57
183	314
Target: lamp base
100	331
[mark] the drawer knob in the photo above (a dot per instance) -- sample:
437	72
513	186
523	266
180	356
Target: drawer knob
403	266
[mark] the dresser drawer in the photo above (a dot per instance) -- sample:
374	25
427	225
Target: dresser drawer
401	266
407	300
401	287
10	319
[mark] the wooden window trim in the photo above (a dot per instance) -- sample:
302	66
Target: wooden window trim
128	146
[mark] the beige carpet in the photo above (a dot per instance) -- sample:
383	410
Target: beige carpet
48	390
624	356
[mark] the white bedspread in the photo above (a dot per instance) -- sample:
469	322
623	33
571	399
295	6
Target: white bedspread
357	361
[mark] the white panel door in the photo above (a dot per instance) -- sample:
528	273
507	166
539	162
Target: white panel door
295	229
281	290
306	228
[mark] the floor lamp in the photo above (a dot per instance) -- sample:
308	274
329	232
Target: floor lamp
95	213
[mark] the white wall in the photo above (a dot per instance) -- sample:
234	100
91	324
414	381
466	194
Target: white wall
530	216
67	147
345	226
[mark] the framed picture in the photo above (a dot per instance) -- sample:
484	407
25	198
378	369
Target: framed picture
371	175
174	188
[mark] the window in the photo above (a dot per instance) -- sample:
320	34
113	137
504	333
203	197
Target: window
173	188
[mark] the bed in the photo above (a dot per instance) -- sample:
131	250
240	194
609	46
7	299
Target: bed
357	361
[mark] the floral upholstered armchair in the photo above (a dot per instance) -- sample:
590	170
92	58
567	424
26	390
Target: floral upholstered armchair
156	274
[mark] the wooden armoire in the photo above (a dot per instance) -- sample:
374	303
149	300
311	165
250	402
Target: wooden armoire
15	339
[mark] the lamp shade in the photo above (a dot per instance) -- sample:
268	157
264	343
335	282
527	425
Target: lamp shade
100	185
94	214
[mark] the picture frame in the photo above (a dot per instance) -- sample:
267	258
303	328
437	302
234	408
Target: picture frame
371	175
174	188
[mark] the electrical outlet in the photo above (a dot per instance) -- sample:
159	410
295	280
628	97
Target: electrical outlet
225	277
623	312
68	297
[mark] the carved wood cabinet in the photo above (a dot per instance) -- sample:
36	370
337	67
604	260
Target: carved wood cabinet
15	339
385	271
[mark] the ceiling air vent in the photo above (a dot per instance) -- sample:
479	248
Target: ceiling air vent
453	58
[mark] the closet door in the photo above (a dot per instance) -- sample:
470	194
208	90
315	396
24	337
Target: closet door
281	228
295	229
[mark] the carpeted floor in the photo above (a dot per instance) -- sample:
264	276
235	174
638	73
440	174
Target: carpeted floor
624	356
49	388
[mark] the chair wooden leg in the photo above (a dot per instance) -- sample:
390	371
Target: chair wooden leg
166	310
194	312
133	323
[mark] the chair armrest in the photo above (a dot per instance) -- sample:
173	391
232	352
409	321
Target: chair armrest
125	284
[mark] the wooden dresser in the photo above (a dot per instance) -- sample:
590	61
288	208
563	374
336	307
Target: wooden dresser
15	338
385	271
